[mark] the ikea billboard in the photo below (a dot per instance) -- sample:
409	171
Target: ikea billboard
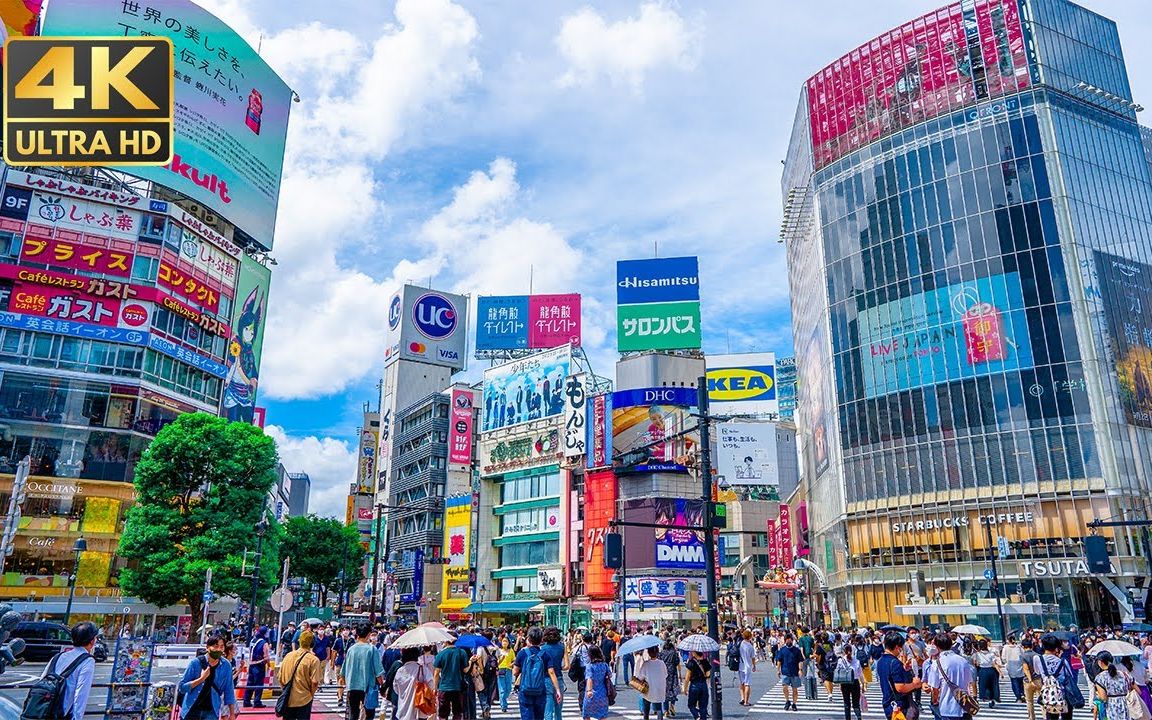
742	384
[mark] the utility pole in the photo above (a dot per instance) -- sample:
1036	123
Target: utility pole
709	537
206	600
993	551
280	620
373	604
261	529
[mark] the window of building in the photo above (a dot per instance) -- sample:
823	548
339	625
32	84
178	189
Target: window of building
533	553
9	245
521	588
145	269
531	488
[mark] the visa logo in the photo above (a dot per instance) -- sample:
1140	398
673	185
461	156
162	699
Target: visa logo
741	384
449	355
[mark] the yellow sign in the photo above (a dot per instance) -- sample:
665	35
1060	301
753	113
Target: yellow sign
457	590
739	383
88	101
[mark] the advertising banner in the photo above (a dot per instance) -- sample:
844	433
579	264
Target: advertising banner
599	443
427	326
62	186
643	418
73	306
208	257
575	414
784	528
231	109
76	256
1126	293
82	216
660	591
658	326
600	494
961	331
513	322
520	451
773	545
810	384
803	548
243	356
414	559
194	290
456	591
746	454
657	280
941	62
20	321
524	390
460	423
366	470
677	546
742	384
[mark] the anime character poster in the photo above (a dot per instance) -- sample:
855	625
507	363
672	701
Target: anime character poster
247	341
680	537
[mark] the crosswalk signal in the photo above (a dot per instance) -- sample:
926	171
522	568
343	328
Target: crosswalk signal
972	598
613	550
719	516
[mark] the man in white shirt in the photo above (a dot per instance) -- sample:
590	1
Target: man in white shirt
945	671
79	681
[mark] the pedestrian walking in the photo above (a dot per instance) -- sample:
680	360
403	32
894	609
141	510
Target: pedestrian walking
558	656
207	685
596	682
73	665
789	659
363	673
339	650
655	674
987	672
404	685
697	672
1059	693
897	681
1111	688
504	659
947	675
304	672
1031	678
448	680
1012	656
535	677
849	675
747	666
257	669
671	658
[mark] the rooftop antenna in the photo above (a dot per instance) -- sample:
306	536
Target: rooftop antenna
260	43
728	339
655	248
531	277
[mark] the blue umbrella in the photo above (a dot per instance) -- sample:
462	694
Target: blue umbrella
471	642
638	643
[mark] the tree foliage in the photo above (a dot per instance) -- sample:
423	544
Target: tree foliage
201	490
320	548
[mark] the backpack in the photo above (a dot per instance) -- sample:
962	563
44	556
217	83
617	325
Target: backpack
863	657
491	664
576	668
47	696
733	653
1052	692
532	672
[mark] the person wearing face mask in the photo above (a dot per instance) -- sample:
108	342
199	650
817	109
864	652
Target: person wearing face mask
207	686
915	654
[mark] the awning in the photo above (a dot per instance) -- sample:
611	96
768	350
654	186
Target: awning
500	607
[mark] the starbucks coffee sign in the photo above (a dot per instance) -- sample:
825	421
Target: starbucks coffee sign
948	522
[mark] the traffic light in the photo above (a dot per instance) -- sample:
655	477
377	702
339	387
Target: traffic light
719	516
613	550
1096	553
973	599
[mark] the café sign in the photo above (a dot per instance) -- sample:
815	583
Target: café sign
949	522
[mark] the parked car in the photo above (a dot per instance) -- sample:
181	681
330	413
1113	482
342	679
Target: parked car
44	639
8	709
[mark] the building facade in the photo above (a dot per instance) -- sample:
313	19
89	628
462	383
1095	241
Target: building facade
968	237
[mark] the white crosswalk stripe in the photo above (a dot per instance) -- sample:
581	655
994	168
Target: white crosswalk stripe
627	706
772	704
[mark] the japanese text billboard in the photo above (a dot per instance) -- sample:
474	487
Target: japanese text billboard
575	414
647	427
74	306
660	591
520	391
961	331
678	545
522	450
250	314
746	453
67	213
1126	291
784	537
460	424
427	326
600	496
742	384
946	60
366	470
512	322
658	304
231	109
456	590
599	443
76	256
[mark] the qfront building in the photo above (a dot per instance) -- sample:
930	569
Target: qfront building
968	223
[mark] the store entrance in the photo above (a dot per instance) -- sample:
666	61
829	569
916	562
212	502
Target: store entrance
1095	605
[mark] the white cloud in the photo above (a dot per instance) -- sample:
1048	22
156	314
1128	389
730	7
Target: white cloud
330	464
627	50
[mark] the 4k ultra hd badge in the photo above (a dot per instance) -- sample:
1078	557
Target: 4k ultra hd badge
88	101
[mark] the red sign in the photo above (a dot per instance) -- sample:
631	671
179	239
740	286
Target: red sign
773	546
64	305
599	509
364	513
600	429
460	422
785	541
803	549
76	256
941	62
183	284
553	320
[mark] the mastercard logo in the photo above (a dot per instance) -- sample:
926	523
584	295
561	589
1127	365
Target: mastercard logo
418	348
134	315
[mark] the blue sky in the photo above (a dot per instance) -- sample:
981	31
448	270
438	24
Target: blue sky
468	141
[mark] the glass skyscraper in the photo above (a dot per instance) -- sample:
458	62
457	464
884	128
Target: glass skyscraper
968	220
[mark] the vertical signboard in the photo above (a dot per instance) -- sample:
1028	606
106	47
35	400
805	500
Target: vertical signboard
599	443
803	549
553	320
366	472
250	315
575	415
231	109
1126	292
678	544
773	546
456	592
460	427
600	495
658	304
785	529
742	384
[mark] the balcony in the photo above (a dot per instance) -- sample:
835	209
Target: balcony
432	424
429	476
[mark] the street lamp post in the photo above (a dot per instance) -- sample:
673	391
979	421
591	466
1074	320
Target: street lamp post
78	547
483	591
261	529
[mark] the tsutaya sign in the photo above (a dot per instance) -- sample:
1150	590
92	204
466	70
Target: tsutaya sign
1064	567
947	522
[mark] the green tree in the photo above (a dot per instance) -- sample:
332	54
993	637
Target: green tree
201	489
319	548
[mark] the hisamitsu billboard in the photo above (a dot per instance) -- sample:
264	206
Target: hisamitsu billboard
657	280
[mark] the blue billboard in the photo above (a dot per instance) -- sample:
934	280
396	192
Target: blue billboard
657	280
501	322
961	331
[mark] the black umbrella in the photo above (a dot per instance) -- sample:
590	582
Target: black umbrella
892	628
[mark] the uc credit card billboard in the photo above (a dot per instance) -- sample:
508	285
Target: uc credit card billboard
427	326
961	331
658	304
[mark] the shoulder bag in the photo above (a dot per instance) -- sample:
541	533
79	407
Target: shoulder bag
968	704
286	691
610	688
424	699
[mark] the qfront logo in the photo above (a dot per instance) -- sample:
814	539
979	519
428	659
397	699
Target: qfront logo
88	101
435	316
394	312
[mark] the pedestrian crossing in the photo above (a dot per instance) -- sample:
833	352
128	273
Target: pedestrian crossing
771	704
627	706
